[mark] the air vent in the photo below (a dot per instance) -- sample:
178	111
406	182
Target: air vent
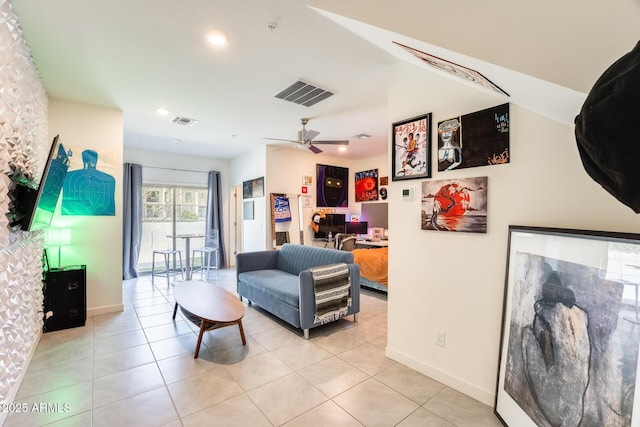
304	93
184	121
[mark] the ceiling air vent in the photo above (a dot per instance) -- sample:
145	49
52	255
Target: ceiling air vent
184	121
304	93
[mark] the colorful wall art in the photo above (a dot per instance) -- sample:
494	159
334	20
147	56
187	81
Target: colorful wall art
455	205
476	139
411	148
332	186
89	187
366	185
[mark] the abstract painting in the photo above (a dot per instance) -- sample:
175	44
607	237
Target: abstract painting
455	205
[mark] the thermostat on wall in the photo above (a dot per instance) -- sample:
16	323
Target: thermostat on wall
407	194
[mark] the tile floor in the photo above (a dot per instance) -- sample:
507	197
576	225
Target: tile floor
136	368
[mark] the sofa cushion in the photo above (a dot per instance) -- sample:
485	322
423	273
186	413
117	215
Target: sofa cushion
274	283
296	258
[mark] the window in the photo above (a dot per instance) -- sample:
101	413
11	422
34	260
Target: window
170	210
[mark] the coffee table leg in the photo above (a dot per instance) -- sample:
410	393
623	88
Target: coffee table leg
244	341
202	328
175	309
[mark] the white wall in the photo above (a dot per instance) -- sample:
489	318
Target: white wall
244	168
87	127
454	282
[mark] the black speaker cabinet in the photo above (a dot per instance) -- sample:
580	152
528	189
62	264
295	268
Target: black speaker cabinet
65	298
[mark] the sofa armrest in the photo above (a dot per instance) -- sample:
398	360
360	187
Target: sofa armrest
308	300
260	260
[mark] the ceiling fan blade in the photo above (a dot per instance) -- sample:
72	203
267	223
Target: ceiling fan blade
344	142
307	135
280	139
315	149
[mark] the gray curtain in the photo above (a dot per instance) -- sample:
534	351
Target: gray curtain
132	219
214	212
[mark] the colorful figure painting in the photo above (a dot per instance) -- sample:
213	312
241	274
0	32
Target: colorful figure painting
455	205
366	185
88	190
476	139
411	149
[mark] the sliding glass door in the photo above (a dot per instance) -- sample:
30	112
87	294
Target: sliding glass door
168	211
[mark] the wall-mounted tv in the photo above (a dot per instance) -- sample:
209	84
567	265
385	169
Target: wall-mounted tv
33	207
331	223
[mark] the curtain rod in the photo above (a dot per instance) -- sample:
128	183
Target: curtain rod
174	169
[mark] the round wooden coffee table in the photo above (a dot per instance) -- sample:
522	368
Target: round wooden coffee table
208	306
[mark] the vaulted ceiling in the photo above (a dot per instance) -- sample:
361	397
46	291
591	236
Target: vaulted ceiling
138	55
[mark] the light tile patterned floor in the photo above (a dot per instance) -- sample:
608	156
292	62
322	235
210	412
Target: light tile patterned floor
136	368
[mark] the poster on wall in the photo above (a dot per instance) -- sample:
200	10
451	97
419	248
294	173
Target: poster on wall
456	70
332	188
476	139
89	187
569	341
366	185
281	209
455	205
411	150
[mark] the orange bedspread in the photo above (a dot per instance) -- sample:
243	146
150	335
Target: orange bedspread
373	264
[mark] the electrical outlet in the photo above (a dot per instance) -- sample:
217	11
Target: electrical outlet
440	339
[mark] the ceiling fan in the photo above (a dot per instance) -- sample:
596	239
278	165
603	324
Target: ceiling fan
305	139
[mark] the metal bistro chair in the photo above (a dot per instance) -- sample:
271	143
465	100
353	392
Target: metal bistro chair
208	253
160	246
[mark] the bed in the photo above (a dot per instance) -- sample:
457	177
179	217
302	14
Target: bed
373	264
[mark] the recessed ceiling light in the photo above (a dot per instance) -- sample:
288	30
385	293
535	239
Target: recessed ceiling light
217	38
163	111
342	149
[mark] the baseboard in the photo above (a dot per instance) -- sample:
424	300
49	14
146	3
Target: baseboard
13	391
105	310
486	397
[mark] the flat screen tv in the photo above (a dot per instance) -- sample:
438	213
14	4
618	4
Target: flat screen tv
33	206
361	227
331	223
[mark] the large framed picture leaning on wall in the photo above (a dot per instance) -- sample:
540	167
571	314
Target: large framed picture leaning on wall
570	328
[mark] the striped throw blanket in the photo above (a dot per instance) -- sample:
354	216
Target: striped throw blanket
332	287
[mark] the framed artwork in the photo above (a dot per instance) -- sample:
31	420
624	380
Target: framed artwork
477	139
455	205
411	149
332	187
569	341
454	69
253	188
366	185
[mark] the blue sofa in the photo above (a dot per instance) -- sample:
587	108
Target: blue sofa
280	282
